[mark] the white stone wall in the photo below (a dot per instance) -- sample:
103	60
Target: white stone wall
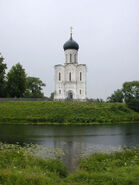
81	81
76	83
70	85
59	84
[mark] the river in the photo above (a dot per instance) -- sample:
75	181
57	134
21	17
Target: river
73	140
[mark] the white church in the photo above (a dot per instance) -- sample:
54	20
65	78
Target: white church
70	78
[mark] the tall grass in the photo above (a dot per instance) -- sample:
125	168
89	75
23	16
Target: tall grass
65	113
20	167
118	168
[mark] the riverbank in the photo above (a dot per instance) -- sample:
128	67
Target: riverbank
18	165
65	113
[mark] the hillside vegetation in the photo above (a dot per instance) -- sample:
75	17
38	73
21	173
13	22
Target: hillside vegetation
20	167
66	113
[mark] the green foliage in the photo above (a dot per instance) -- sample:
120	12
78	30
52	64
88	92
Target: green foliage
131	94
116	168
3	67
18	166
52	96
98	100
33	88
16	84
66	113
117	96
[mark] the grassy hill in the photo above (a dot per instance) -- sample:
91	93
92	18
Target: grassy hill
66	113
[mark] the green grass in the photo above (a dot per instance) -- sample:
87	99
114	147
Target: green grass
117	168
66	113
19	167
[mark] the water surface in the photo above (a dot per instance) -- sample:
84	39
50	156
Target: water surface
73	140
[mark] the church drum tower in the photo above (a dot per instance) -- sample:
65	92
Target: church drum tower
70	78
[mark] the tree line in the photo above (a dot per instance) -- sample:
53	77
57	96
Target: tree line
16	83
128	94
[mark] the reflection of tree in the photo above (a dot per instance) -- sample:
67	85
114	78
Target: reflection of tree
13	133
130	135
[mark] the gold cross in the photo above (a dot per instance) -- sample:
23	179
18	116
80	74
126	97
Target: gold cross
71	30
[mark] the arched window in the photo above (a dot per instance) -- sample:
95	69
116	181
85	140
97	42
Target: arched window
59	76
80	76
70	57
70	76
59	91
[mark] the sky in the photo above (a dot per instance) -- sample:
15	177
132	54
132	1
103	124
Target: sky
33	32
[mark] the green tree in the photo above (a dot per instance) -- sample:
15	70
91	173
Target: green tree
131	94
99	100
117	96
16	84
52	96
33	88
3	67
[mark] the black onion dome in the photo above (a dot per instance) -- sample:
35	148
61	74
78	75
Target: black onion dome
71	44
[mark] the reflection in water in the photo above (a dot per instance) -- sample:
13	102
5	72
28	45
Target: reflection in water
72	150
73	140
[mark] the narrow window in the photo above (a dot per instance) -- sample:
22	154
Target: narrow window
59	91
75	58
80	92
70	76
80	76
66	57
70	57
59	76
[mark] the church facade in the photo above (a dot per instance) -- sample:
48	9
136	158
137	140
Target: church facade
70	78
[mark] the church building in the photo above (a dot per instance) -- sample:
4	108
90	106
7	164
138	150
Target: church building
70	78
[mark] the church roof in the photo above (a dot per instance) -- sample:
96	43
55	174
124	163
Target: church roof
71	44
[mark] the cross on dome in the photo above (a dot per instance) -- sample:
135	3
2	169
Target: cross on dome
71	44
71	28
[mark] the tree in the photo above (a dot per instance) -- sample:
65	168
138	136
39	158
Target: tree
16	84
99	100
131	94
117	96
3	67
52	96
33	88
